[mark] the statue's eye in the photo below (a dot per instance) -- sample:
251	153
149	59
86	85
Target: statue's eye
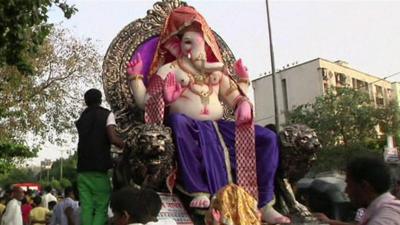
160	137
304	139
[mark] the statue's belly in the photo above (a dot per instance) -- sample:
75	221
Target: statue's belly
192	106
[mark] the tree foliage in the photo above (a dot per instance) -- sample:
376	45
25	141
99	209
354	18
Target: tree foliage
346	120
23	29
343	117
12	153
17	175
46	104
69	169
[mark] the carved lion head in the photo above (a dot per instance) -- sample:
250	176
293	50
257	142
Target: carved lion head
149	156
299	147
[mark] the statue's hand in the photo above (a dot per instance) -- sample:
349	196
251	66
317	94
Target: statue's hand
135	67
241	70
216	215
172	89
243	113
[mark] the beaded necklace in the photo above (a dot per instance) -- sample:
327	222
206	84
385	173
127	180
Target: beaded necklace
199	79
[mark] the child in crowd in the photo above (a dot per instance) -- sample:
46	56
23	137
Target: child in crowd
132	206
39	214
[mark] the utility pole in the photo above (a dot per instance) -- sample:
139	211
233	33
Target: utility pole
61	166
271	50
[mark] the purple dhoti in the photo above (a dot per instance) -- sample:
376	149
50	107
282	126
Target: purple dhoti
202	165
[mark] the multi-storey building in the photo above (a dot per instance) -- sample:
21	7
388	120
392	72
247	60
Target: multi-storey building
302	83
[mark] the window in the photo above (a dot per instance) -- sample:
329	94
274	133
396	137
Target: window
326	87
340	79
389	93
380	101
324	73
360	85
379	97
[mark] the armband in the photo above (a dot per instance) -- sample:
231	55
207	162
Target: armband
232	87
244	80
238	100
135	77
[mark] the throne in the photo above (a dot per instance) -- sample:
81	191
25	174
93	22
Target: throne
141	36
149	157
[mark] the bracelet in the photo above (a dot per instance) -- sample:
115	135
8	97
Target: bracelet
244	80
135	77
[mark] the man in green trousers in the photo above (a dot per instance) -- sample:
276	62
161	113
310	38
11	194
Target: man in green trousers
96	129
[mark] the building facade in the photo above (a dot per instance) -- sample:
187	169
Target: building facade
302	83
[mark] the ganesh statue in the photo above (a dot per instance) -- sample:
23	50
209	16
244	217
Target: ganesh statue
175	72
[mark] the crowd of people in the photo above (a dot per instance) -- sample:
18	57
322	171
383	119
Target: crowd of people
30	207
19	207
367	179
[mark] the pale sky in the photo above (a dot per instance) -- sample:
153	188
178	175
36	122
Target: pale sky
366	34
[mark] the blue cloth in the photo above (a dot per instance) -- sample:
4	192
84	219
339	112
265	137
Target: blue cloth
201	159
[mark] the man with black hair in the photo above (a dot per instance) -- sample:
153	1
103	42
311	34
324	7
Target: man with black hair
137	206
13	214
48	197
96	129
368	182
38	215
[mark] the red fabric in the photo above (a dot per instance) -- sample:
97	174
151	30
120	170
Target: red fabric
26	209
177	21
246	158
154	109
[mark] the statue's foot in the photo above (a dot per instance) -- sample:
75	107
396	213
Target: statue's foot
201	201
271	216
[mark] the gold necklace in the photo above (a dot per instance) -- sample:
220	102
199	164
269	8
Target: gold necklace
199	80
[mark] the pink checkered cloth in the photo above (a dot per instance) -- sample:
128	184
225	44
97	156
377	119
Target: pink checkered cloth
246	158
155	105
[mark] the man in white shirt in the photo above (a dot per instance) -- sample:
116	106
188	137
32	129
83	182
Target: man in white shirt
48	197
13	214
67	211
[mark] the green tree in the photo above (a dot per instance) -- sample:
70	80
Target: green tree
342	117
390	115
345	120
17	175
65	183
12	153
69	168
23	28
56	184
43	107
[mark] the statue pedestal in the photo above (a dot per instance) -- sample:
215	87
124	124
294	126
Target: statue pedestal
173	208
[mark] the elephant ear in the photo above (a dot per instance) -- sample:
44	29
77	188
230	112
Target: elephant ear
140	36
